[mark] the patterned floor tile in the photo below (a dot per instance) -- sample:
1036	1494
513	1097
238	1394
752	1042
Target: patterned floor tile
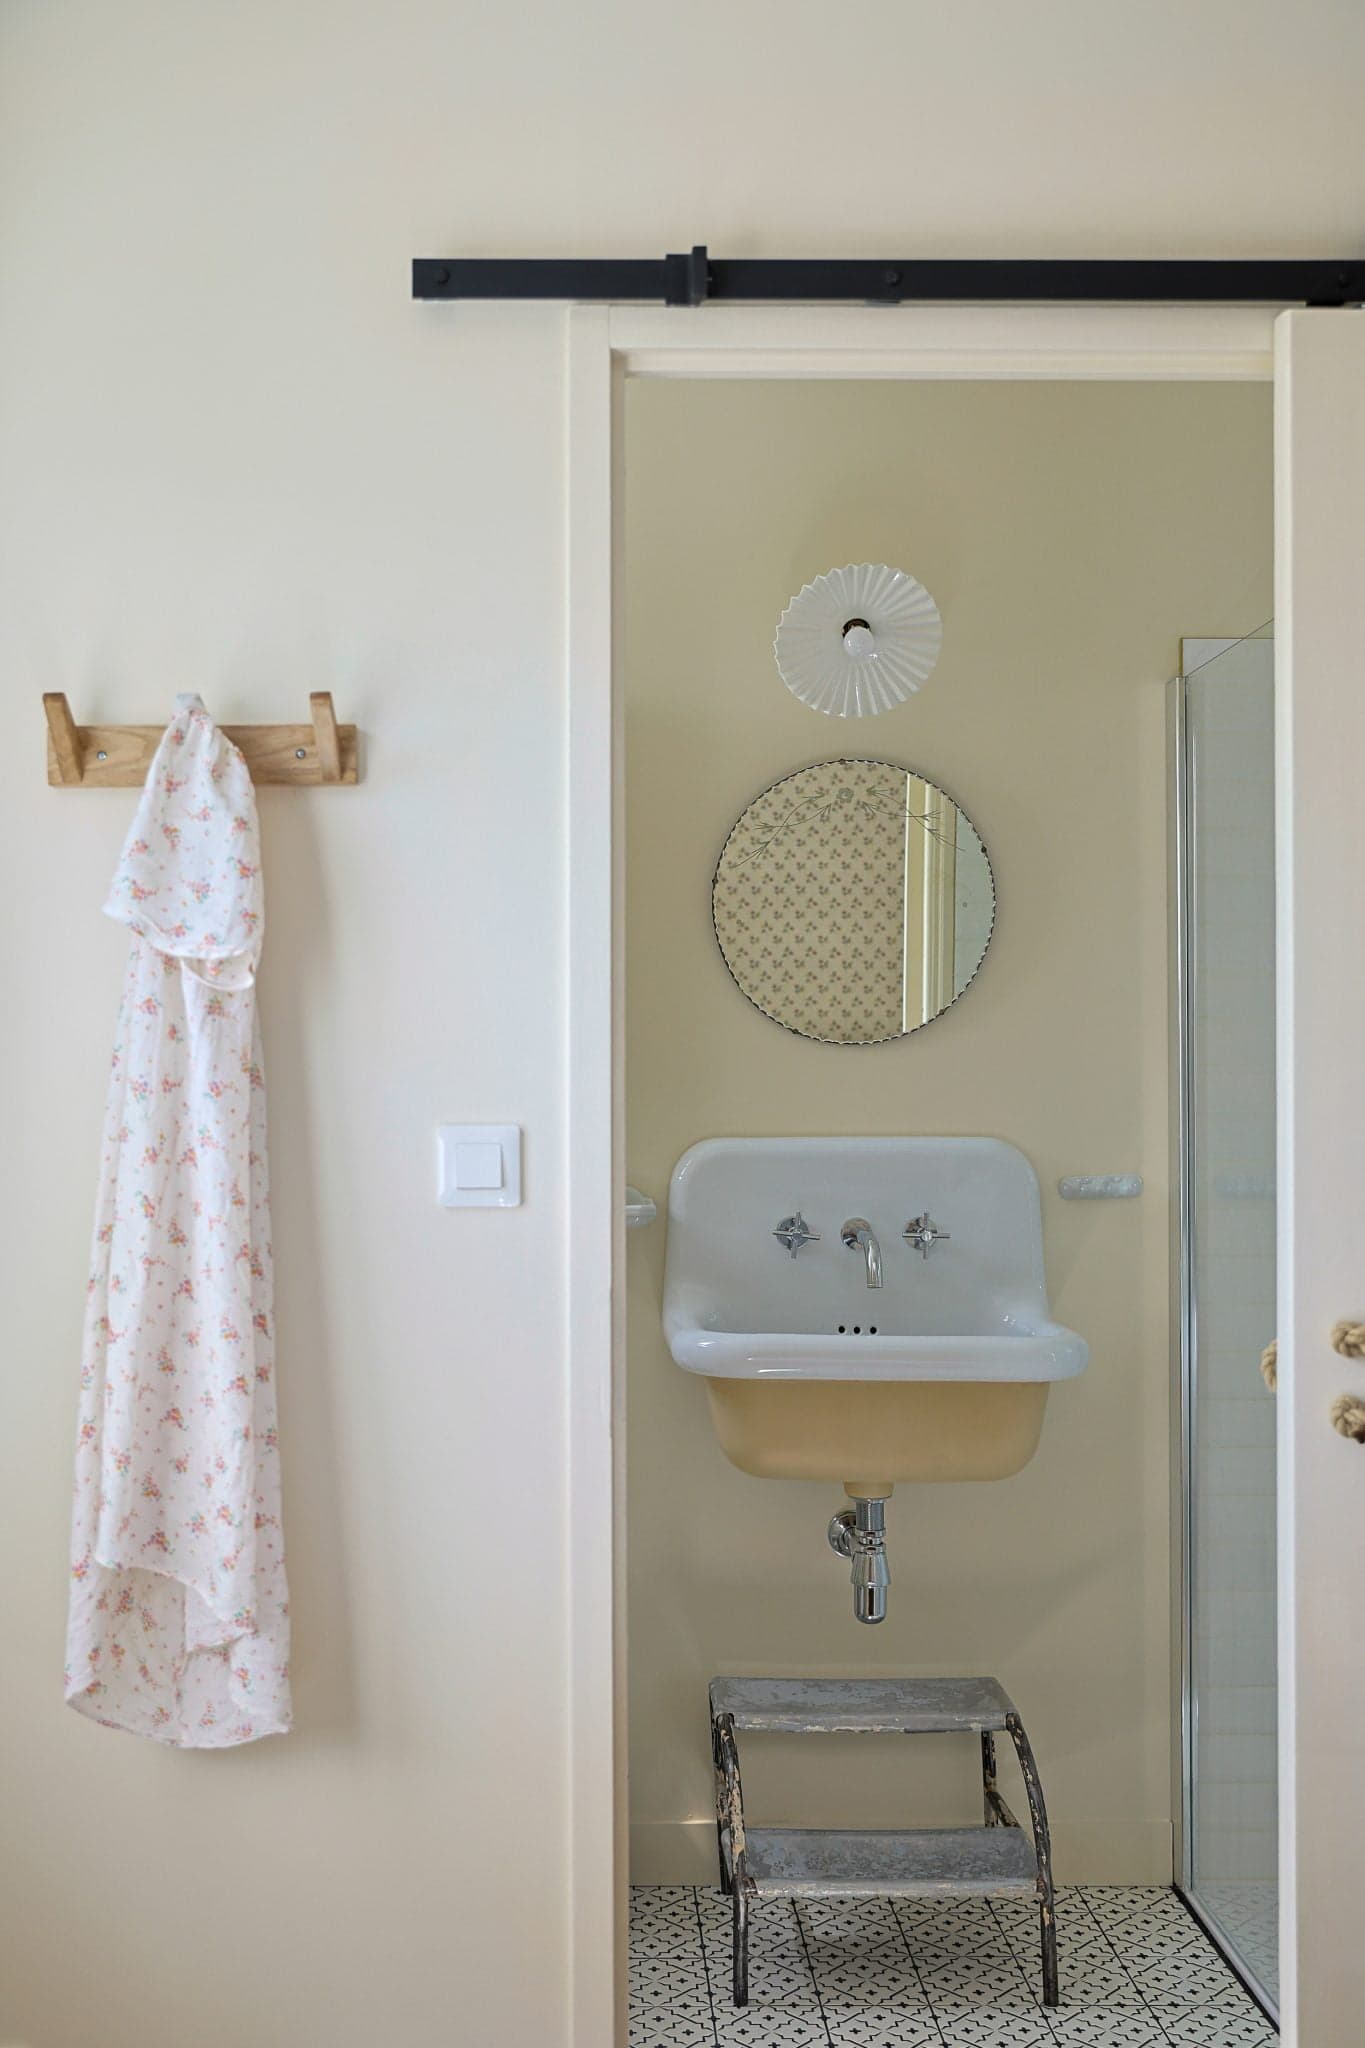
778	1977
960	1925
1169	1929
648	1901
661	1905
1098	1993
778	1938
1066	1898
985	1980
1183	1978
847	1923
870	1977
834	1940
666	1980
889	1950
787	1983
672	2026
753	2028
1156	1937
1248	1913
883	2027
1123	1905
1225	2025
773	1925
942	1948
1136	1972
666	1937
888	1987
1099	2027
985	2027
967	1961
1021	1920
1089	1972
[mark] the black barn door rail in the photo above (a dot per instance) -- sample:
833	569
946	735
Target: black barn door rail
697	278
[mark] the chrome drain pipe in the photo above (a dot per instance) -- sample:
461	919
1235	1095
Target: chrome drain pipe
859	1534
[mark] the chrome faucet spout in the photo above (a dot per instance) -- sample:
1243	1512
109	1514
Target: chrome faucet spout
859	1236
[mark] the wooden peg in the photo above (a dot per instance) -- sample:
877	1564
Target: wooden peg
326	735
64	738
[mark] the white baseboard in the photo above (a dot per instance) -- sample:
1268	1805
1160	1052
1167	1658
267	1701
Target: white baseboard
1083	1852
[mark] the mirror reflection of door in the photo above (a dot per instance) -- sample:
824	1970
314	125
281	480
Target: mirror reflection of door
853	901
937	900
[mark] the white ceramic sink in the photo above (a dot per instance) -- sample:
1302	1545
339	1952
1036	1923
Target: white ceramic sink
941	1372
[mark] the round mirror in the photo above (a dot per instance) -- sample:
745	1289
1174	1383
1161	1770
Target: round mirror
853	901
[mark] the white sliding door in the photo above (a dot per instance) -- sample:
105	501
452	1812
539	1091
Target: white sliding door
1320	636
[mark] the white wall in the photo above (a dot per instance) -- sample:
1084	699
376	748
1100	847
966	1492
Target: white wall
234	456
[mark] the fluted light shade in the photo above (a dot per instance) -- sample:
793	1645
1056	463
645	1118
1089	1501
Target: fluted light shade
858	640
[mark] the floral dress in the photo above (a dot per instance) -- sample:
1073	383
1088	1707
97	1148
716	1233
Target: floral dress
179	1617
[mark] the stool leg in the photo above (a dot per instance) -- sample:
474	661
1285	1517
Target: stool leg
731	1806
1042	1843
740	1912
1047	1917
988	1777
721	1805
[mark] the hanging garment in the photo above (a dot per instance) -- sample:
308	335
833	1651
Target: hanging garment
178	1625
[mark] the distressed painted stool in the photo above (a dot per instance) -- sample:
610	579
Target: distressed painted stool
805	1863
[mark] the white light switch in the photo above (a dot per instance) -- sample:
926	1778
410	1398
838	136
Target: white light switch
479	1166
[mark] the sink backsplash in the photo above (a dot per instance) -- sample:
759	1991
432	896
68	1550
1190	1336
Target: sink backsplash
728	1196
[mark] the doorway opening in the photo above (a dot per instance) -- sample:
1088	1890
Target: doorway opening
1072	533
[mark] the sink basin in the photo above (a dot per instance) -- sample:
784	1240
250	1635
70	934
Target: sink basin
940	1373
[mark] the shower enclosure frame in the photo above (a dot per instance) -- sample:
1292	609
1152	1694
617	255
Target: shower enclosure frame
1184	982
1317	501
1182	821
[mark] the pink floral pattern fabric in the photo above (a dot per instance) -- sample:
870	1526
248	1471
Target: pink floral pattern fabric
179	1616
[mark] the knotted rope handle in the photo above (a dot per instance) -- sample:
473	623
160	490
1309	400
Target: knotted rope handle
1348	1417
1347	1412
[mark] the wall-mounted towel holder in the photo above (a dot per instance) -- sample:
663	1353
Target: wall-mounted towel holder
118	756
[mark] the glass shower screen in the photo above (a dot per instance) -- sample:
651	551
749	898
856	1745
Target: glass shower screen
1225	778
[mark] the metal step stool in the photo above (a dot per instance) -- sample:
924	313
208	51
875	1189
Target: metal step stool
806	1863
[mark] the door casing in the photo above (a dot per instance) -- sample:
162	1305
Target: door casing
604	346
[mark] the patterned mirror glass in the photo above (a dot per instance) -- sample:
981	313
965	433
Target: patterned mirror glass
853	901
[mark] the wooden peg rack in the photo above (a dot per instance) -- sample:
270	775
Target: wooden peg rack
118	756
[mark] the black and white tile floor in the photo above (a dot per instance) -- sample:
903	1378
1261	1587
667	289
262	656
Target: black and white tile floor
1247	1911
1136	1972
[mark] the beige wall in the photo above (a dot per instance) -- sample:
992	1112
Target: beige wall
235	457
1070	535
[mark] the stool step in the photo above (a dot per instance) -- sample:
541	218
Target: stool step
865	1706
832	1862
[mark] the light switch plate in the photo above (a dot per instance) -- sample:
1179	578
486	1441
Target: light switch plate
478	1166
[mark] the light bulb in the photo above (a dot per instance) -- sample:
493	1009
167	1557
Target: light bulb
859	640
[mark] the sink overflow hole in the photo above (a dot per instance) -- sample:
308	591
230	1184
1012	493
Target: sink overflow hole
858	1329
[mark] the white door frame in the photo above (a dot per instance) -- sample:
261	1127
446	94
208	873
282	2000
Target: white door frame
606	344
